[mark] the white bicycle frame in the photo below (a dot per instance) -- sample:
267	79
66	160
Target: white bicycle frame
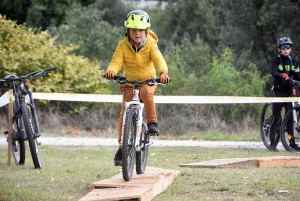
135	102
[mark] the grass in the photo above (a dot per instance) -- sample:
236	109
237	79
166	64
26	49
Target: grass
69	171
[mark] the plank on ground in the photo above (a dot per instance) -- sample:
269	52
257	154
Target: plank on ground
275	161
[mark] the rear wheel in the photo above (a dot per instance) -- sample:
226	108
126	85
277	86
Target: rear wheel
128	146
266	121
18	143
141	156
290	130
30	132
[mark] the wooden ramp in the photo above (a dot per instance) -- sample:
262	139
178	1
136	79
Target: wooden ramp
259	162
143	187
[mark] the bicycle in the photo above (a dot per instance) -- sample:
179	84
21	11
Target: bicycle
290	124
135	139
25	122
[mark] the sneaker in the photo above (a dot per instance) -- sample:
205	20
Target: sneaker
153	129
294	145
118	158
273	148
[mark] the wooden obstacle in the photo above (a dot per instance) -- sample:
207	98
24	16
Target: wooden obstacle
259	162
143	187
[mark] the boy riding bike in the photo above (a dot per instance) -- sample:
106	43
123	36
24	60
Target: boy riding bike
139	54
283	67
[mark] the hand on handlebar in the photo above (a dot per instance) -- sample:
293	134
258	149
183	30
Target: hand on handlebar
164	78
285	76
109	75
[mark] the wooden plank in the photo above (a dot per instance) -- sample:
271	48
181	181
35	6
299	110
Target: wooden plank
260	162
280	162
113	194
217	163
142	187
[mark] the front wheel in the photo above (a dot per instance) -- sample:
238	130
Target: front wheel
266	120
18	143
141	156
290	130
30	132
128	146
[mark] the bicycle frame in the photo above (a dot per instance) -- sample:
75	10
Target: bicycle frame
20	92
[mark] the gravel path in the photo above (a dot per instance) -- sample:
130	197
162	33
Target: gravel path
96	141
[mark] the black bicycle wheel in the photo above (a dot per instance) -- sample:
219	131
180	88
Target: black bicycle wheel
128	147
18	143
289	131
266	120
30	132
142	155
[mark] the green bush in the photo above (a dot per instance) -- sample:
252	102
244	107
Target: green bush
25	50
225	80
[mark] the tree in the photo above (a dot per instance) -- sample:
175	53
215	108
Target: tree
192	17
225	80
252	28
38	13
88	28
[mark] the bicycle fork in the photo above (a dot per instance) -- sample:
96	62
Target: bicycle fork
36	128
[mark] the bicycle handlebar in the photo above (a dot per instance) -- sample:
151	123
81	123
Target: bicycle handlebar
36	74
294	82
150	82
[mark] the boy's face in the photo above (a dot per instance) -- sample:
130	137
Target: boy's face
285	49
137	35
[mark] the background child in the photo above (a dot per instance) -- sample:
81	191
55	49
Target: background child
283	68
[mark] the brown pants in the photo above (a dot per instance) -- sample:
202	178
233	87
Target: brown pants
146	93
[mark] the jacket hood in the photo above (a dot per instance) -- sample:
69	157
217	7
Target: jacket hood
152	36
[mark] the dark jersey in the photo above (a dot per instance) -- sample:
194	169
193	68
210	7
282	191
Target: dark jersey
288	65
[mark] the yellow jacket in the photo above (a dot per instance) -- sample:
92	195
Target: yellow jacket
140	65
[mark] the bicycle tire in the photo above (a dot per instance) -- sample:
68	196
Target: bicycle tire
265	125
284	135
18	143
32	141
128	146
142	156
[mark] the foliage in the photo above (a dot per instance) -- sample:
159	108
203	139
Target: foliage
38	13
193	17
187	62
15	10
225	80
251	29
85	27
26	50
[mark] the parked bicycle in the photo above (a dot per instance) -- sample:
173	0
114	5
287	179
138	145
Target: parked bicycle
135	138
25	121
290	127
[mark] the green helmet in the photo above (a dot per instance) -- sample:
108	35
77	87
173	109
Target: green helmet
137	19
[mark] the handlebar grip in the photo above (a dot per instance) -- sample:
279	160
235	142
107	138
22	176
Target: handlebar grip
50	69
158	80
